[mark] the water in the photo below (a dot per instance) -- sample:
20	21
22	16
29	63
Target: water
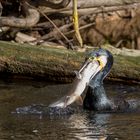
84	125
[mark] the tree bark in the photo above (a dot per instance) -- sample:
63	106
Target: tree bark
49	63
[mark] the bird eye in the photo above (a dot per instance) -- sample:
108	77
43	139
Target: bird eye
97	54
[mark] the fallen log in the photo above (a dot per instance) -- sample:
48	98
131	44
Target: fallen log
93	9
49	63
67	4
50	3
101	3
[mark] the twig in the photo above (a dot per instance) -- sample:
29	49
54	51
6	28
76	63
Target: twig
55	32
81	28
70	44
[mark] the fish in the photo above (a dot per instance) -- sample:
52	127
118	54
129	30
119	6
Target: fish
88	70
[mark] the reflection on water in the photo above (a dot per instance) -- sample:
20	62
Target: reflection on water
83	125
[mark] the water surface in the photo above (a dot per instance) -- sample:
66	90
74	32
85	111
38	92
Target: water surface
84	125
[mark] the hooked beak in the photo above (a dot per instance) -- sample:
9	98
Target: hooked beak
93	65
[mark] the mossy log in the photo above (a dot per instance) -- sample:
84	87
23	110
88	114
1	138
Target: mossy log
55	64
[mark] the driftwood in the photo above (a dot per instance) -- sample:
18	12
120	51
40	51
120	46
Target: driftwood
28	21
32	16
93	10
55	64
50	3
23	38
95	7
60	28
101	3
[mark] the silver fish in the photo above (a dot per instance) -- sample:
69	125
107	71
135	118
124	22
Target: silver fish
89	69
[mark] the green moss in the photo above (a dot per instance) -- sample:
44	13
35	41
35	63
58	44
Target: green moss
24	51
48	60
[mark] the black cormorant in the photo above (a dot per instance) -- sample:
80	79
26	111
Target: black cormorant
96	98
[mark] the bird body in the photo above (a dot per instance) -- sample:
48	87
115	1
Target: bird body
96	98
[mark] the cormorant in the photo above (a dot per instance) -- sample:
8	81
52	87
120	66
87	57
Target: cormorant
96	98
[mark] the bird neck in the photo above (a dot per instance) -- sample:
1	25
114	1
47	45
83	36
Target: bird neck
96	98
101	100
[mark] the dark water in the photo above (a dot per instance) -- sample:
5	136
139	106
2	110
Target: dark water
80	126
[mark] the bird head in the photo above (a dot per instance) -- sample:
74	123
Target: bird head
102	60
